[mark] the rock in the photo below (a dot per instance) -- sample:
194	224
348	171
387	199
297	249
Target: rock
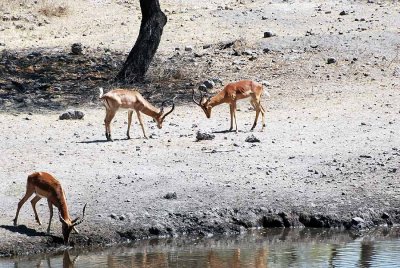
200	136
209	84
247	52
252	138
385	216
113	216
203	88
71	115
266	50
76	48
170	196
188	48
268	34
342	13
331	60
122	217
357	220
154	230
153	136
265	83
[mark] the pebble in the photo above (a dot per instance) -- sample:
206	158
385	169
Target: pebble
252	138
268	34
72	115
76	48
170	196
200	136
331	60
209	84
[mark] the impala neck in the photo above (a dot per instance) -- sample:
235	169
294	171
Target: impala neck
63	208
150	110
217	99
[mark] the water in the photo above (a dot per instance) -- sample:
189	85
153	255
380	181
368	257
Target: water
266	248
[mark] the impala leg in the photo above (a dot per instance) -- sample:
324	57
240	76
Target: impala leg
29	192
234	116
51	214
107	121
255	120
129	123
139	116
253	103
33	202
262	116
231	112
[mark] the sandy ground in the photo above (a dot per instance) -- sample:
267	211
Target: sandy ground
330	151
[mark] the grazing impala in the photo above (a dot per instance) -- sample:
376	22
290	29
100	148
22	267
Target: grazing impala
131	100
230	94
45	185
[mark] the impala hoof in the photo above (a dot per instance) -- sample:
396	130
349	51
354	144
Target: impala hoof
15	222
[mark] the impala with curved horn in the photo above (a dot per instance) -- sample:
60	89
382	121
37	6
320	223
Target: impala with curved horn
133	101
45	185
230	94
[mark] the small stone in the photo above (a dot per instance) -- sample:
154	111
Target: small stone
204	136
357	220
265	83
268	34
113	216
71	115
266	50
188	48
122	217
170	196
385	216
331	60
342	13
252	138
203	88
76	48
209	84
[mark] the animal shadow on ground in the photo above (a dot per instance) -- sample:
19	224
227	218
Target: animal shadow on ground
101	141
22	229
93	141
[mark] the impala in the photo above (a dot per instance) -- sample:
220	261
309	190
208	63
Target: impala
230	94
131	100
45	185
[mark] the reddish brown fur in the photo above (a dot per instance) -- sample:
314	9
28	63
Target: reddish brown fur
233	92
44	185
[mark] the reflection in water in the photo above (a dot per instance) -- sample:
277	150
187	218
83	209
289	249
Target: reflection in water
267	248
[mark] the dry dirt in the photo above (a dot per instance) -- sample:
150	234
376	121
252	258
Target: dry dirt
330	151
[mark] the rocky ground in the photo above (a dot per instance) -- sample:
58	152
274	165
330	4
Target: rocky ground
329	157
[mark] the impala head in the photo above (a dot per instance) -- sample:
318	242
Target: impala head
68	225
204	104
161	115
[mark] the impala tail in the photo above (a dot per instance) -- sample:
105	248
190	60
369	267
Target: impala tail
101	92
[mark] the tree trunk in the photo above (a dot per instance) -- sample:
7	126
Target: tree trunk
142	53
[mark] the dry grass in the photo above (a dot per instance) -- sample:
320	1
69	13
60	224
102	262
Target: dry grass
54	9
